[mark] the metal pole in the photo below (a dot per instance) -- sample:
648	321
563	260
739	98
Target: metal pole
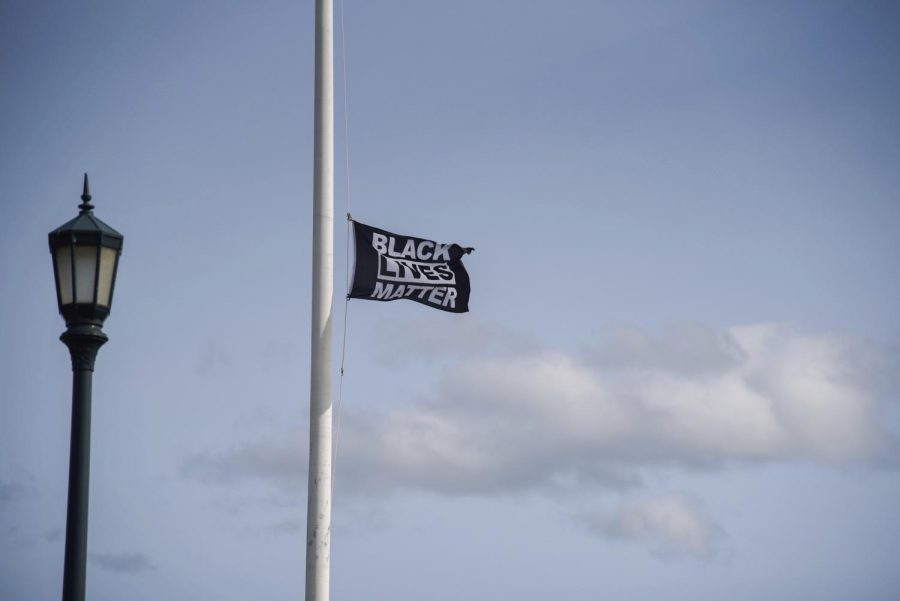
83	341
318	514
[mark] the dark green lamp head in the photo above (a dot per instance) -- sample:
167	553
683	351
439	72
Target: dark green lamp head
85	260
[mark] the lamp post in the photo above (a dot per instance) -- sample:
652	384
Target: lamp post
85	255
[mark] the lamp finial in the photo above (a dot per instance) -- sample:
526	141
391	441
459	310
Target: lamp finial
86	205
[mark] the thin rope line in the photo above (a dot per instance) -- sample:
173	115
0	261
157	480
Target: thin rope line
346	110
339	406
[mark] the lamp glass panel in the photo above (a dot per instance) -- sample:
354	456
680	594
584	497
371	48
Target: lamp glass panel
63	262
85	271
107	269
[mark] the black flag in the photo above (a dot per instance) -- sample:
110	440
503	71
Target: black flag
390	266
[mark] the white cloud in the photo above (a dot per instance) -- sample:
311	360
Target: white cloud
685	348
215	357
687	397
126	563
9	492
280	459
670	526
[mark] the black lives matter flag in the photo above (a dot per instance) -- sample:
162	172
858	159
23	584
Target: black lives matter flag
390	267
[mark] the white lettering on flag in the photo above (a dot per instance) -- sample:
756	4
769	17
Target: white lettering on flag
438	295
414	272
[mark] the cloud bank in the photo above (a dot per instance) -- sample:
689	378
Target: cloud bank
517	416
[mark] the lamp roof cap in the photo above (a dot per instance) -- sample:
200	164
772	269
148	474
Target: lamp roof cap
86	226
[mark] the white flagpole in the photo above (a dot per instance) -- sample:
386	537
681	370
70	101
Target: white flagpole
318	513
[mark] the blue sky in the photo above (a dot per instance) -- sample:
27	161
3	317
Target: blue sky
678	377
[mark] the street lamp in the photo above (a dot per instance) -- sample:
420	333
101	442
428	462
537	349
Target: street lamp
85	255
